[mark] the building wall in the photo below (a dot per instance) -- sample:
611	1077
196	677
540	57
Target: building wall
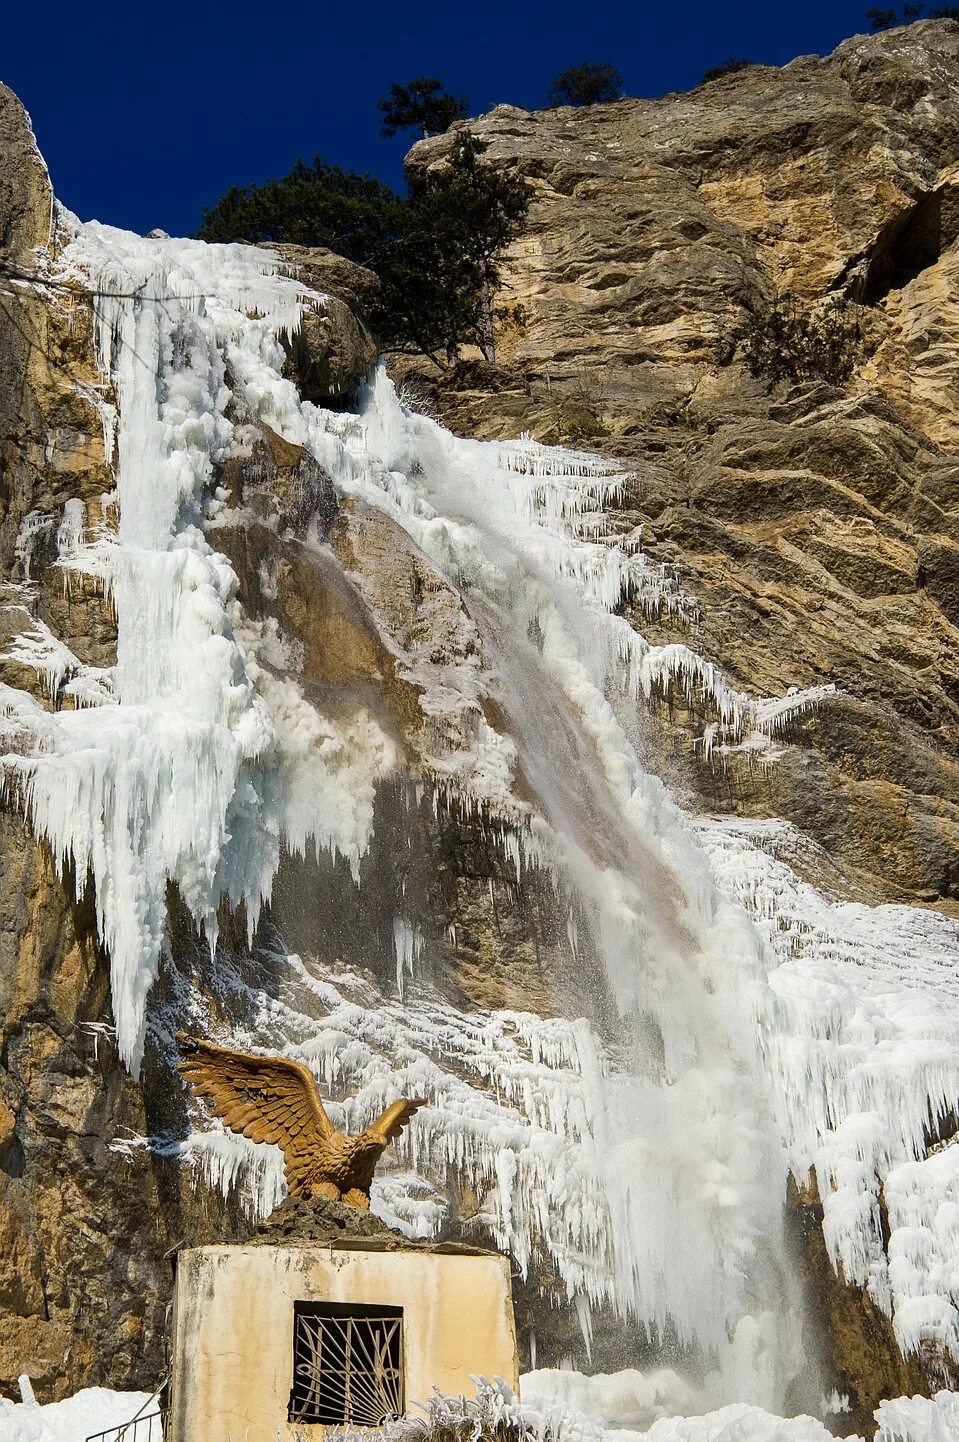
233	1328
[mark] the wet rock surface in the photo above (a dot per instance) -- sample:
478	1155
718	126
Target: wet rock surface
852	1339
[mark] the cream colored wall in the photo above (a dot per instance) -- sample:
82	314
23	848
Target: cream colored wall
233	1329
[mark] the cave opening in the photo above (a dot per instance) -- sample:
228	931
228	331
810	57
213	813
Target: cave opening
913	245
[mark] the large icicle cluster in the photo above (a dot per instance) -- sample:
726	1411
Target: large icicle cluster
180	771
860	1025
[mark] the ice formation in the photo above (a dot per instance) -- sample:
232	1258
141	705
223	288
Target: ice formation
761	1028
631	1399
860	1028
191	777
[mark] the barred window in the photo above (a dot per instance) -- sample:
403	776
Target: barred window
347	1364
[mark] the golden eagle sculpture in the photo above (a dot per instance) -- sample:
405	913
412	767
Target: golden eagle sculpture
271	1099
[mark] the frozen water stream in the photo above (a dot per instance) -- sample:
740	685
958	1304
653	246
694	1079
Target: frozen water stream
734	1056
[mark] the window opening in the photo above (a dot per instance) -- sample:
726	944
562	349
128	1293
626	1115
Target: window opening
347	1364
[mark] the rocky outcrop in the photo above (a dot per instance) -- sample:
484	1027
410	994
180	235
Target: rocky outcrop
26	200
333	350
815	525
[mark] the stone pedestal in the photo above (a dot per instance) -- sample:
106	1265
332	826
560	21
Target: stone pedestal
271	1338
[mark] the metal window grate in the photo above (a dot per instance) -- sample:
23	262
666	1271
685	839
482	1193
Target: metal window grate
347	1364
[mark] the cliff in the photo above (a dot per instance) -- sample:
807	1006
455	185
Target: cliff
331	733
92	1196
816	526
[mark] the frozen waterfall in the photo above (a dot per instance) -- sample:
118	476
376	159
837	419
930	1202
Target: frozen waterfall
754	1030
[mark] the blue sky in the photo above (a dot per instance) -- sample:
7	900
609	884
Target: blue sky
146	112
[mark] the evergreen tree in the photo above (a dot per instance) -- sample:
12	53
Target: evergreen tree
436	253
888	19
426	302
317	204
424	105
587	84
439	280
882	19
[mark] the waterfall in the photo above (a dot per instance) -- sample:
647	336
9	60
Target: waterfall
643	1151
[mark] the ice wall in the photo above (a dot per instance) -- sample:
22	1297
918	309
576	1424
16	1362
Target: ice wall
178	768
744	1045
860	1027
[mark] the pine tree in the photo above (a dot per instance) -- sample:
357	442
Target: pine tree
476	211
728	67
882	19
316	204
424	105
587	84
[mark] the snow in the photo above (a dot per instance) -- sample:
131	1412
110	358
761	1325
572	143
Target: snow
623	1400
628	1405
38	648
919	1419
83	1415
567	1406
738	1424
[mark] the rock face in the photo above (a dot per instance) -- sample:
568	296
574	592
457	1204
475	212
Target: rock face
333	350
90	1217
816	525
26	199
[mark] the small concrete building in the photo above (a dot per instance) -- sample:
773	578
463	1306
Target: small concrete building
276	1342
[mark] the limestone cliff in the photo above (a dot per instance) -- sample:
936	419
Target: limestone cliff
816	526
812	532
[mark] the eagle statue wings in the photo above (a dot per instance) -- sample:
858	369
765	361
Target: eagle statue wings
272	1099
